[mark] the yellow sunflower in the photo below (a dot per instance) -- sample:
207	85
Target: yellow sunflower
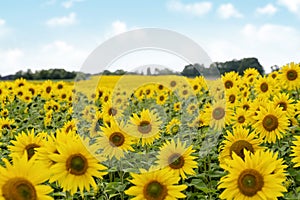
161	98
159	184
230	79
296	152
237	141
265	86
114	141
144	127
75	165
6	126
240	118
177	106
285	103
218	115
271	123
173	126
177	158
109	109
23	179
26	142
290	76
257	176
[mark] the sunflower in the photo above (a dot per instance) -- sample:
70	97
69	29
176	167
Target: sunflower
218	115
155	185
114	141
23	179
230	79
296	151
237	141
271	123
257	176
231	97
285	103
69	126
6	126
161	98
173	126
177	106
177	158
26	142
144	127
47	89
290	76
75	165
20	82
241	118
109	109
265	86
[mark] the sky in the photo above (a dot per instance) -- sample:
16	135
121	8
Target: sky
43	34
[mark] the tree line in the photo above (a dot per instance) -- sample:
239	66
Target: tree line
191	70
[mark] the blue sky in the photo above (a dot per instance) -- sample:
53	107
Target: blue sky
41	34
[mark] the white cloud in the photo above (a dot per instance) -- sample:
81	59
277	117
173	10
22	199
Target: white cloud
62	21
269	9
292	5
57	54
118	27
227	11
2	22
197	9
68	4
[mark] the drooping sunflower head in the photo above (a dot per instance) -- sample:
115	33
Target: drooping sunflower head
26	142
236	142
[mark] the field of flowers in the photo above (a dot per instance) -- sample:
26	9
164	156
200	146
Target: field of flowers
152	137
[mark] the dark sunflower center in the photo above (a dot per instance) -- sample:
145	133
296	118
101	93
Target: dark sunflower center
228	84
77	164
250	182
59	86
144	127
155	191
173	83
176	161
18	189
148	92
270	122
185	92
264	87
69	128
21	84
31	149
232	98
161	98
291	75
48	89
195	87
160	87
6	126
218	113
20	93
112	111
246	107
63	96
239	146
116	139
283	105
241	119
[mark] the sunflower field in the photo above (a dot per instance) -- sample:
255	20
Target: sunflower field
152	137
